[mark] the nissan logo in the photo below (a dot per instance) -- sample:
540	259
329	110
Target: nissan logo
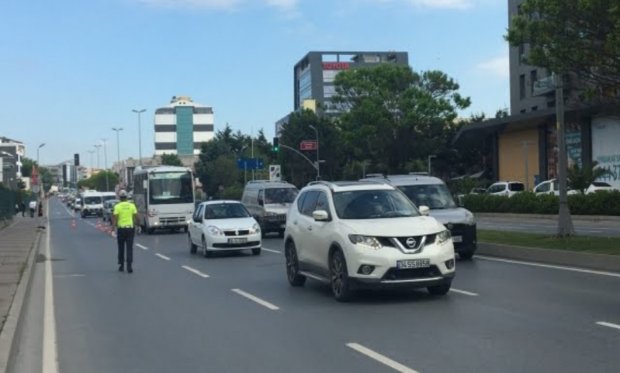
411	242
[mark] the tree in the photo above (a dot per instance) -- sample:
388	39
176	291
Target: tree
580	178
27	164
395	116
171	160
580	37
98	181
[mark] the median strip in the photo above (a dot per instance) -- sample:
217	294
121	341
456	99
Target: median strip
380	358
256	299
195	271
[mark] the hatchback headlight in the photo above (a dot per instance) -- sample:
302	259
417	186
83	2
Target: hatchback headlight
369	241
443	236
215	231
255	229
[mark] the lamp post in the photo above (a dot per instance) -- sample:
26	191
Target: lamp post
318	162
139	133
429	162
38	175
91	161
118	146
97	146
105	165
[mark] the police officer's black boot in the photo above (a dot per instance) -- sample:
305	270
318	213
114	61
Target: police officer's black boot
129	269
121	268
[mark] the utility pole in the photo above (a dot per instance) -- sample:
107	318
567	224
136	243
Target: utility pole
139	112
565	223
318	162
105	165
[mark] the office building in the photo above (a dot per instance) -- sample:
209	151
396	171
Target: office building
11	153
182	126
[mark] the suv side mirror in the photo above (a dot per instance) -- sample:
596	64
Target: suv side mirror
320	215
424	210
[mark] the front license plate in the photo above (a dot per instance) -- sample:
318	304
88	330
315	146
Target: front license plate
413	263
237	240
457	239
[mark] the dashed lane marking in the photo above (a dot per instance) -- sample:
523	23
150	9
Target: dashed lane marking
162	256
608	324
273	251
464	292
142	246
563	268
256	299
195	271
380	358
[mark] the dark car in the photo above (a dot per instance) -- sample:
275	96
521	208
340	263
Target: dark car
108	208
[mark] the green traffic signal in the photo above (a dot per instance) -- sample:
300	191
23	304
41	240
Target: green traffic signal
276	144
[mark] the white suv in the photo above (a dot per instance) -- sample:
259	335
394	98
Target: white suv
352	234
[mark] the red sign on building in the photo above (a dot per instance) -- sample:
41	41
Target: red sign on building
335	65
308	145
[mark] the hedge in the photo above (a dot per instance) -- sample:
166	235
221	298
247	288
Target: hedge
599	203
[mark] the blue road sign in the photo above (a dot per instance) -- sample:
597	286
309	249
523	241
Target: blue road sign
249	163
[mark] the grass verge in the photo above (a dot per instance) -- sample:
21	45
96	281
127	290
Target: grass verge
587	244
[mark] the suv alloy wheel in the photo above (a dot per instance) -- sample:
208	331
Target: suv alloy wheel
292	265
339	277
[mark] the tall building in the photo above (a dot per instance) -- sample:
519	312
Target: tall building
314	74
11	153
182	126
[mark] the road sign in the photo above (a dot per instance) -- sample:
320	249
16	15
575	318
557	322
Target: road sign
250	164
308	145
274	172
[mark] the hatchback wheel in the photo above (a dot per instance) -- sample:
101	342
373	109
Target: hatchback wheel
192	247
205	252
339	277
292	265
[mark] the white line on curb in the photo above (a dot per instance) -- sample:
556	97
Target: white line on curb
195	271
272	251
608	324
256	299
162	256
380	358
564	268
50	352
142	247
464	292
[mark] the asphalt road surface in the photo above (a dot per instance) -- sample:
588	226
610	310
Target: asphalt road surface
236	313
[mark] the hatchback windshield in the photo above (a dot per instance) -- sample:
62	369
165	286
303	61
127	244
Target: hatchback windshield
372	204
435	196
280	195
225	211
92	200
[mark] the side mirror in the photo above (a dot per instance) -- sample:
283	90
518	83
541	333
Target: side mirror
261	202
198	219
424	210
320	215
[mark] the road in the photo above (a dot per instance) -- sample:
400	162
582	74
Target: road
236	313
547	225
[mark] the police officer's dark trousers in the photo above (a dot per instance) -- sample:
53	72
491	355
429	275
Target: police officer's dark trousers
124	238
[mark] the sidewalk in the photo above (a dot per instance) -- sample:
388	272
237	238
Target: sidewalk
18	245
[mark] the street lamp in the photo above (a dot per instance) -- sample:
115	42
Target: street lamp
118	146
40	146
97	146
318	163
139	133
429	162
91	161
105	165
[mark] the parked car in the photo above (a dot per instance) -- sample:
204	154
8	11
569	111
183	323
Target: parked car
108	209
598	186
505	188
365	234
223	225
551	187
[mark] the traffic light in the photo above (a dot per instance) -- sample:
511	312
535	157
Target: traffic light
76	159
276	144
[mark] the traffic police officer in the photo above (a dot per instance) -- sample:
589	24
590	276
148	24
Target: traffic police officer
125	218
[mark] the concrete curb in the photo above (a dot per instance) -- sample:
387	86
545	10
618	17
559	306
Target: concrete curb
14	320
601	262
594	218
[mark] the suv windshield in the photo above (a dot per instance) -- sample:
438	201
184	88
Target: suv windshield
280	195
435	196
372	204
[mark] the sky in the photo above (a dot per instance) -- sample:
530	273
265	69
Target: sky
71	70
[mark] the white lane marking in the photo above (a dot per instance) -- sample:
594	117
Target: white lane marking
273	251
142	247
195	271
608	324
380	358
162	256
50	352
256	299
564	268
70	275
464	292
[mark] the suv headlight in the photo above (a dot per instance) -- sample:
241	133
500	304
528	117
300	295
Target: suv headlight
215	231
369	241
443	236
255	229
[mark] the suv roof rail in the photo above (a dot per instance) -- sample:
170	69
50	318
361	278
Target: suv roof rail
321	182
422	173
374	175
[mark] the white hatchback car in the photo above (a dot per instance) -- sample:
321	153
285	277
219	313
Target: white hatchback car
223	226
368	234
505	188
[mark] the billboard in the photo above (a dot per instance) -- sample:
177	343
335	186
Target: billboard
606	147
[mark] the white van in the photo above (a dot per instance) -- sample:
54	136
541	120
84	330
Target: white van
424	190
92	203
268	202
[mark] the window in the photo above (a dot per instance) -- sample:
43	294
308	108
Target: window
522	86
533	80
309	202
